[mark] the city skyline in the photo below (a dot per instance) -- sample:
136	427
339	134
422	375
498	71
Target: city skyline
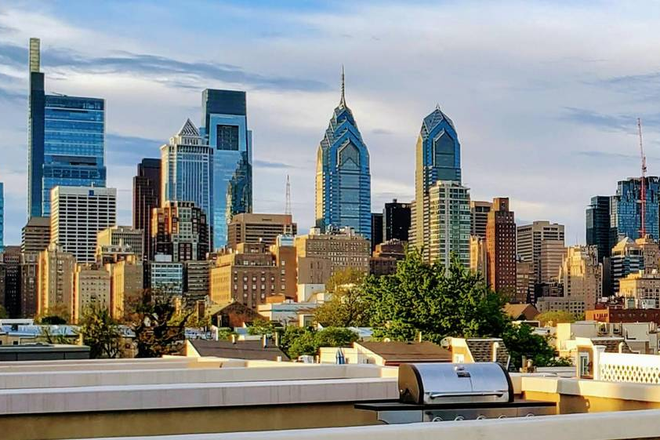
150	87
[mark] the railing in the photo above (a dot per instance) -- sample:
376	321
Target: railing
622	367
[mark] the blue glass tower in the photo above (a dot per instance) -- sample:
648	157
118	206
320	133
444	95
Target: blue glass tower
626	209
225	130
66	140
74	145
343	179
186	169
438	162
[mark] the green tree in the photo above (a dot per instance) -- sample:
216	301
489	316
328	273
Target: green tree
296	341
554	318
158	329
434	300
521	341
335	337
57	314
3	312
263	327
348	306
99	331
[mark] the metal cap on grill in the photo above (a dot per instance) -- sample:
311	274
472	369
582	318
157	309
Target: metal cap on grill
443	383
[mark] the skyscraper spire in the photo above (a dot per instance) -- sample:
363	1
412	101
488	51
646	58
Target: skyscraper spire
342	102
287	204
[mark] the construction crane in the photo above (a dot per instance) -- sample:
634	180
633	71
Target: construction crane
642	197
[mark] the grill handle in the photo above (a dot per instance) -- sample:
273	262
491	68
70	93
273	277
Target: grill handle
467	394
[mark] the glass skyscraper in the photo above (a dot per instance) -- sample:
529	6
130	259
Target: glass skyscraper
626	208
225	130
599	231
343	179
187	164
66	140
438	162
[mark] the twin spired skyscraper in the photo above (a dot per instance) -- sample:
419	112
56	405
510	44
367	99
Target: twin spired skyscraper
343	178
440	214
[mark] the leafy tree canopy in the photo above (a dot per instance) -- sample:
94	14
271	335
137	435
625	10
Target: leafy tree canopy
434	300
348	306
554	318
99	331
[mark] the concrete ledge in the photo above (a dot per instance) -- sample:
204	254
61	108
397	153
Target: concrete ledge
194	395
591	388
600	426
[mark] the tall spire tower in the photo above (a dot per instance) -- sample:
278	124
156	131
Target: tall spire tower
287	206
343	178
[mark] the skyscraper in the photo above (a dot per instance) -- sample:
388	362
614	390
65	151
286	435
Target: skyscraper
10	281
35	235
343	179
66	138
598	226
438	159
36	120
501	248
626	208
79	214
259	228
146	197
396	221
2	217
180	230
479	217
581	275
376	229
449	225
225	130
187	170
627	258
529	242
56	270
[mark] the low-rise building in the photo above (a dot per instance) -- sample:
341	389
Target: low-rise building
386	256
643	287
91	289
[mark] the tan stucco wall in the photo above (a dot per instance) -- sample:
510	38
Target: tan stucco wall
185	421
571	404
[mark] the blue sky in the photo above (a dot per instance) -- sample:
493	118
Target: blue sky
544	94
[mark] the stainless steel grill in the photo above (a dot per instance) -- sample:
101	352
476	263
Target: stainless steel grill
443	391
442	383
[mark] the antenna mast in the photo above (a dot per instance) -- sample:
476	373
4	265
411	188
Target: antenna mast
643	186
287	207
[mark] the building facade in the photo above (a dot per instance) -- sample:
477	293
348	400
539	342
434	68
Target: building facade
126	284
396	221
643	288
478	256
438	158
35	235
146	197
530	238
225	131
166	276
2	216
187	170
343	176
599	231
122	235
10	281
79	214
91	289
344	248
248	276
627	258
56	269
581	275
66	140
550	260
449	227
29	284
479	217
501	248
626	215
180	229
259	228
385	258
525	282
196	276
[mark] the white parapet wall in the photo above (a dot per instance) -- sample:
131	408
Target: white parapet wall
598	426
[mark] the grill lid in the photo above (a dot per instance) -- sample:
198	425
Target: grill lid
443	383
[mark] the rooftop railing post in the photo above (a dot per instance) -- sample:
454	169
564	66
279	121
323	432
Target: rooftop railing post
597	353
